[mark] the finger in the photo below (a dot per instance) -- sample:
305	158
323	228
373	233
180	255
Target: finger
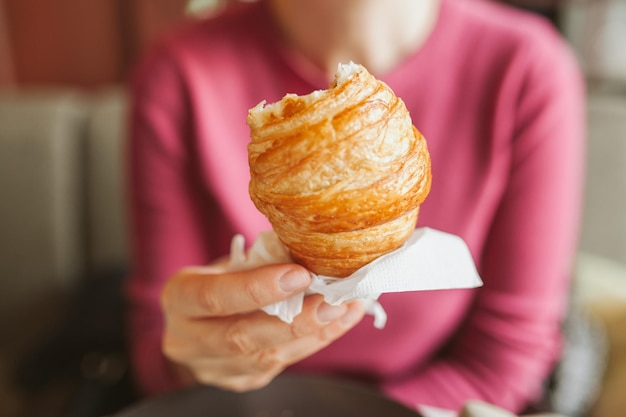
246	334
254	371
197	292
299	349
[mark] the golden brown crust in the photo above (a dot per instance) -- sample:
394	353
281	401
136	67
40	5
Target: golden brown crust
339	173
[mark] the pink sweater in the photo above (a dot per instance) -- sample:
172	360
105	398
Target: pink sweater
499	98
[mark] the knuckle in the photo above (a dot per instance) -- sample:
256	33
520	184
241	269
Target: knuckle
253	290
210	301
238	339
298	329
307	324
330	333
269	361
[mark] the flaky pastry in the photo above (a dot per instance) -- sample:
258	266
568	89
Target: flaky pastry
339	173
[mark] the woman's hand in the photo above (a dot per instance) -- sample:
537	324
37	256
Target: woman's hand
215	331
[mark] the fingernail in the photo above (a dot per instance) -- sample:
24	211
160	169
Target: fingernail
294	280
352	316
327	313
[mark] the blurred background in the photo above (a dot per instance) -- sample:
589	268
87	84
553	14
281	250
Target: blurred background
63	65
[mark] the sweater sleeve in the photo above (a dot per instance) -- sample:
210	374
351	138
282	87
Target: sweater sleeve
511	337
166	217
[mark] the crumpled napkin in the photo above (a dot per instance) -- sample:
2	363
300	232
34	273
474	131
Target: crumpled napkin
428	260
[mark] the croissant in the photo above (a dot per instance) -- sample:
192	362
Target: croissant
339	173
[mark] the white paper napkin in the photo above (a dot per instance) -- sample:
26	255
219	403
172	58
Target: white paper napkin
429	260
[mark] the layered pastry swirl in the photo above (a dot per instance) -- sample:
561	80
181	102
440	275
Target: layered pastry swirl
339	173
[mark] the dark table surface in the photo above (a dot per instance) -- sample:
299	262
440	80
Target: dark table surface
286	396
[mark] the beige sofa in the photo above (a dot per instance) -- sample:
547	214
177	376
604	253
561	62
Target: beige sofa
62	222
